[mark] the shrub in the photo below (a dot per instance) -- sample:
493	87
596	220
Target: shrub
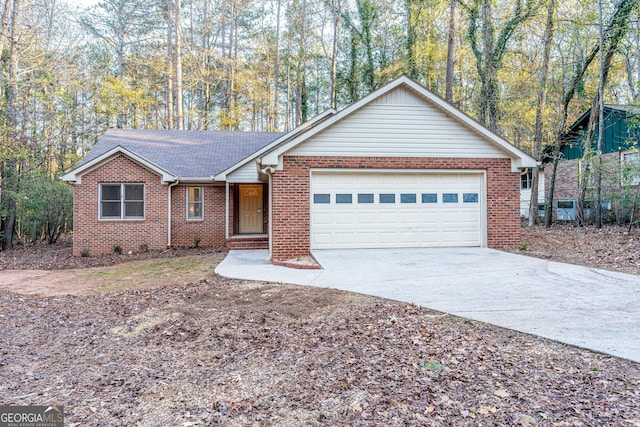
84	252
44	208
117	249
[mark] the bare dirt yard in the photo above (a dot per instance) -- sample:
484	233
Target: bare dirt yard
161	341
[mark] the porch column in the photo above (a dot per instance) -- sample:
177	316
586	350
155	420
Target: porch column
226	210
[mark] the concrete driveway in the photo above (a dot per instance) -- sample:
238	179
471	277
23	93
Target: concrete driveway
585	307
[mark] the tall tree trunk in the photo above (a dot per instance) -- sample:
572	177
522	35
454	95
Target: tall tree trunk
336	12
10	185
170	60
600	121
179	104
490	51
274	126
205	84
412	70
451	43
541	104
557	146
301	87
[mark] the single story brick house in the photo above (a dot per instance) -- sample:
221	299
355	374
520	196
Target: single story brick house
399	168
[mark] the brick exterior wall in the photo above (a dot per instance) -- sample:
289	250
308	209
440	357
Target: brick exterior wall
99	236
211	229
566	186
291	221
291	218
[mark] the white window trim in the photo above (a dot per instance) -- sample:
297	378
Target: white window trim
528	174
199	218
122	202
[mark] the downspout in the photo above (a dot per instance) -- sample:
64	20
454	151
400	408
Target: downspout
173	184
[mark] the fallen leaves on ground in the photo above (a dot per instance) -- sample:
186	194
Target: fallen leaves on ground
612	247
225	352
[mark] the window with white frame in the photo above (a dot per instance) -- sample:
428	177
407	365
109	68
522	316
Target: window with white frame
195	203
631	168
121	201
525	179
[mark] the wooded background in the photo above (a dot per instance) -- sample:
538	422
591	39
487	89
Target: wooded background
524	68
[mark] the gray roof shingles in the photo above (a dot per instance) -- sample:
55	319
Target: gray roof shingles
185	154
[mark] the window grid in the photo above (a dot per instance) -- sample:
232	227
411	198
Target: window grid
121	201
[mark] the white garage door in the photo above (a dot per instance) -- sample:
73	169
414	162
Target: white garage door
387	210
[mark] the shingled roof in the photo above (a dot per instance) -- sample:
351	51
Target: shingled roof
185	154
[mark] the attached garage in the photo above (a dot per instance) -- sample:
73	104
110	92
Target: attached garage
399	168
388	209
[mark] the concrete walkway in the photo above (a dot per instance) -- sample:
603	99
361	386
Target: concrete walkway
586	307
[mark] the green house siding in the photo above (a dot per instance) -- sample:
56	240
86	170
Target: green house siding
621	133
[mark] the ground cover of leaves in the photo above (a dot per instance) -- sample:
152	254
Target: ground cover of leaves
233	353
225	352
611	247
42	256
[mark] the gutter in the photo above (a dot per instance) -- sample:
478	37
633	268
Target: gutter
169	187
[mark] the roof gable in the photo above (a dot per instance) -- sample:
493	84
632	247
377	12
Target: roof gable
403	91
75	176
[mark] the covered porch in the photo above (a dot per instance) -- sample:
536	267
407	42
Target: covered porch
247	215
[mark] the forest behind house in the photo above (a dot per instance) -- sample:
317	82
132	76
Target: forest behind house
526	69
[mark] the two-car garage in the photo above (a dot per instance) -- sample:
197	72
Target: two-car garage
386	209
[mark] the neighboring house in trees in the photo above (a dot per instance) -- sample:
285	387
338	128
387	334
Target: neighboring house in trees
399	168
620	158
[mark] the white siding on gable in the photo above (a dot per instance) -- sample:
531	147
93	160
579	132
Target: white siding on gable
246	173
399	96
399	124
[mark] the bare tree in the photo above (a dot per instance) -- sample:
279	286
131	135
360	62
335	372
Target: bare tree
541	104
489	50
179	103
170	60
451	43
9	172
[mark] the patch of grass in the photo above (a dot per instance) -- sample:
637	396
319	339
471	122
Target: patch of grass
151	272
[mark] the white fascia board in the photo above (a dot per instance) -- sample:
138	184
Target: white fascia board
222	176
75	176
519	158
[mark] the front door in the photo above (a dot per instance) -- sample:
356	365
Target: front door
251	219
